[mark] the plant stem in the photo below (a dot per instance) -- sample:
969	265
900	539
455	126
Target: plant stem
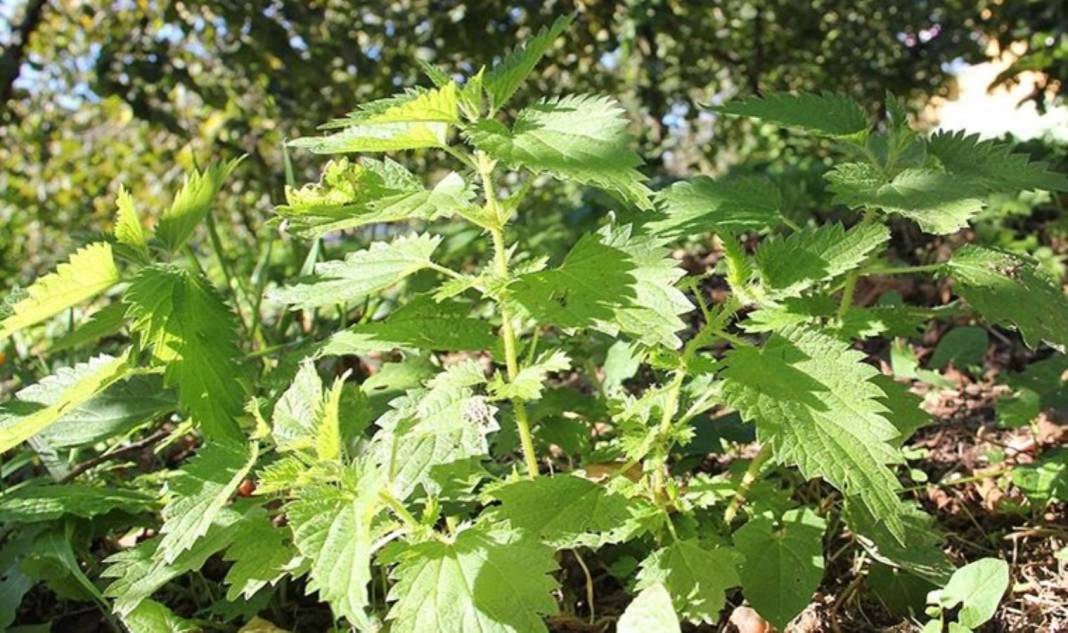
666	418
748	479
406	517
851	279
500	258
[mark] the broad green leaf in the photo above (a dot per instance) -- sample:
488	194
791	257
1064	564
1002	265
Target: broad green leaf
328	431
828	113
582	138
586	288
106	321
701	205
697	577
920	552
963	346
977	588
939	202
792	264
1009	290
140	571
529	381
422	323
1045	481
360	274
509	73
113	411
564	511
1018	409
14	582
491	582
128	228
386	137
90	271
67	390
415	105
992	164
417	119
653	316
192	204
813	399
48	502
193	333
261	556
199	491
332	528
433	427
153	617
783	563
651	610
297	412
350	195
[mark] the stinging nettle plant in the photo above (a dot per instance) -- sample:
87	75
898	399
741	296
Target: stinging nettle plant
528	411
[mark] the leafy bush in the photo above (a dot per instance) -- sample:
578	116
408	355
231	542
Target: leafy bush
514	412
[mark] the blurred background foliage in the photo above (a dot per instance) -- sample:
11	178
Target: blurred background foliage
94	94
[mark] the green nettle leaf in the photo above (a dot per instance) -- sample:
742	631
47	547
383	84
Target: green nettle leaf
697	577
333	529
529	381
783	563
565	511
416	119
813	399
194	334
704	205
90	271
941	203
789	265
977	588
507	75
296	413
653	315
48	502
360	274
431	428
486	581
827	113
200	490
992	164
920	553
422	323
582	138
586	288
128	228
328	431
350	195
140	571
192	204
117	409
1009	290
261	556
59	395
384	137
651	610
1046	480
153	617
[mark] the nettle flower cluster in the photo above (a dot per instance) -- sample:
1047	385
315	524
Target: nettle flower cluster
529	409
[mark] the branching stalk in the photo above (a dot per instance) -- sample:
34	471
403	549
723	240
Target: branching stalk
748	479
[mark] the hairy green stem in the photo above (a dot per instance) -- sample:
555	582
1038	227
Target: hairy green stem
748	479
851	279
507	333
